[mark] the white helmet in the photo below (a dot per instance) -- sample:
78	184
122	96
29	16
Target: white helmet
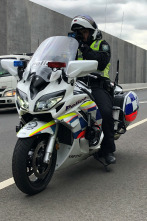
85	21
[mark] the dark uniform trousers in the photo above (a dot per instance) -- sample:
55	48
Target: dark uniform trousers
104	101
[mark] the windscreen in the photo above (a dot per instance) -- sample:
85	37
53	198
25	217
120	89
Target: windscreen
3	72
54	49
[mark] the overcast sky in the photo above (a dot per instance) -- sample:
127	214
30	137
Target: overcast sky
125	19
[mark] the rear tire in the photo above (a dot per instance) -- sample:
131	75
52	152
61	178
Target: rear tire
30	173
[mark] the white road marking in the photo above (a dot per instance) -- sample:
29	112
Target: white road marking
10	181
6	183
142	102
136	124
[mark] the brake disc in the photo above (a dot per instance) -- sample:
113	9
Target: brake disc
40	168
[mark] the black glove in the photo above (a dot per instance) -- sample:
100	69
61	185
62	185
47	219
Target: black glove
83	47
78	37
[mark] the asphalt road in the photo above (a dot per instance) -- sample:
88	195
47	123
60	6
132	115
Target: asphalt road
84	191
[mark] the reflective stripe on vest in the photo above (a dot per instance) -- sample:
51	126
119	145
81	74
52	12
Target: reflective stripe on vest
95	46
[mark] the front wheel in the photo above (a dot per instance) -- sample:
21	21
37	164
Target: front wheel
30	173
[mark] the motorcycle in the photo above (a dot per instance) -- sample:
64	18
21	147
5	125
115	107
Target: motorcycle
56	110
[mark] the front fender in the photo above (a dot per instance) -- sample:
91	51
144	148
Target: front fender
36	127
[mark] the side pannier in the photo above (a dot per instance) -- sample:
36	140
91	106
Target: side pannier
125	111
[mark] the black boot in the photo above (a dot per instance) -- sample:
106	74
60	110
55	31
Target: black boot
109	157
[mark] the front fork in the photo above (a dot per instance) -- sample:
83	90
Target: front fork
50	146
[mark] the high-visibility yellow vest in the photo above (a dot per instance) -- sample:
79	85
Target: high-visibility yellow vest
95	46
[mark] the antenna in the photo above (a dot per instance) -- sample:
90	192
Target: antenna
105	15
122	23
117	73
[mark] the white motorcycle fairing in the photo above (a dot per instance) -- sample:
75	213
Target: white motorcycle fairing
79	149
36	127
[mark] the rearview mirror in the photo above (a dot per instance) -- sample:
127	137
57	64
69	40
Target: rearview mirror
81	68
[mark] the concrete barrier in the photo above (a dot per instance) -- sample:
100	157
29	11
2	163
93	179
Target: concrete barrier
134	87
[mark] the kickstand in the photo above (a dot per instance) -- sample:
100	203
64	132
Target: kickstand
105	165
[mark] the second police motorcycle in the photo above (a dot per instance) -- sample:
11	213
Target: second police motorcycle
56	110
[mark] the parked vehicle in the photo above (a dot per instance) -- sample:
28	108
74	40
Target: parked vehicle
55	111
8	82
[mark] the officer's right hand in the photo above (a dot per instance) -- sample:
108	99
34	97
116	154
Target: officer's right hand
79	37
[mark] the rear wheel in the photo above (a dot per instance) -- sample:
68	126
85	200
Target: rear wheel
30	173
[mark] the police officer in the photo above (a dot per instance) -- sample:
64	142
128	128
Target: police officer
92	47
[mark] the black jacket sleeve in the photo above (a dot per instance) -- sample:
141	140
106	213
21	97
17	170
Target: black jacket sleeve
102	56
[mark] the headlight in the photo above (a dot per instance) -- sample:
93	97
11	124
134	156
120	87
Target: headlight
48	104
10	93
22	99
47	101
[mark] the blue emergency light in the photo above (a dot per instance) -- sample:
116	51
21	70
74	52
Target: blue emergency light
18	63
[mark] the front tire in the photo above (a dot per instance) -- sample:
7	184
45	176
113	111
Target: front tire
30	173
